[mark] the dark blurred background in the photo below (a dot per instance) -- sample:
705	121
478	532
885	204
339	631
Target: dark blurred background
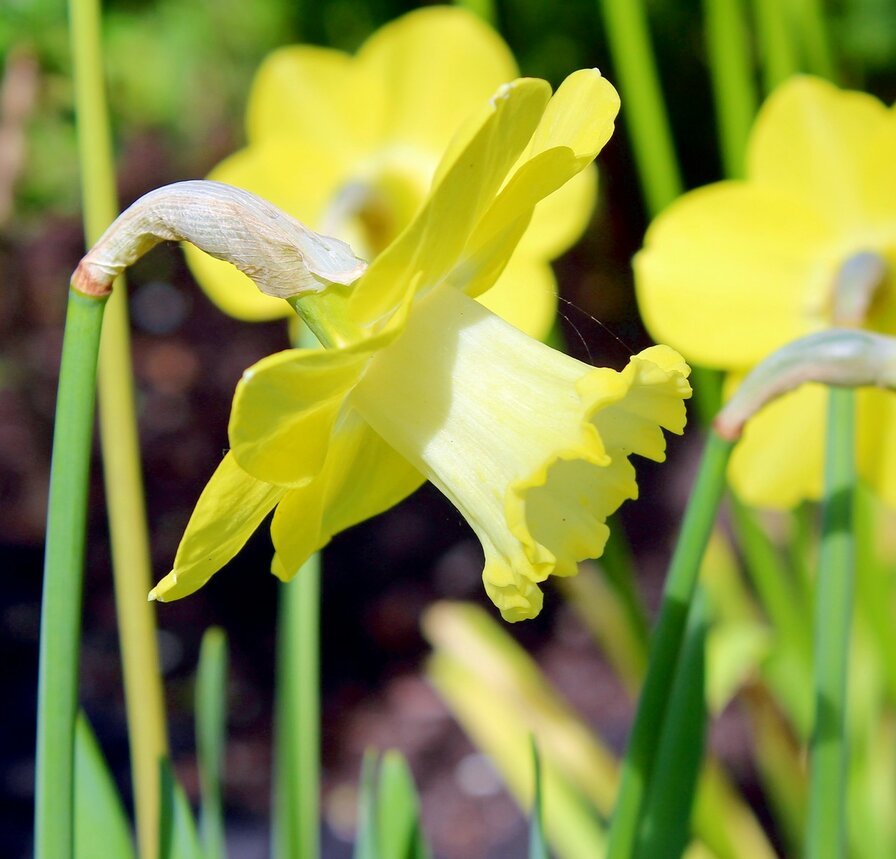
178	74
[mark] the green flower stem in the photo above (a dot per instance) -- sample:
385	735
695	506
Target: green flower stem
297	758
812	28
779	592
666	646
826	836
731	71
121	453
779	60
651	139
645	112
60	627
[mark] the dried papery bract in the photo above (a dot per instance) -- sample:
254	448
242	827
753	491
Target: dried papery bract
282	256
838	357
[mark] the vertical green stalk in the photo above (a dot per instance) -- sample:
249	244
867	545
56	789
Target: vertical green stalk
666	646
60	628
210	706
651	139
812	28
120	447
644	112
297	748
731	72
779	59
826	836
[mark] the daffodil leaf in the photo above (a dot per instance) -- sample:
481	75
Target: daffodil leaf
101	824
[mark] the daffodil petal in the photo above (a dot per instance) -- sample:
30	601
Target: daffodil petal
284	411
561	218
730	272
231	507
574	127
433	242
438	65
778	461
525	295
877	441
316	95
302	192
810	140
362	476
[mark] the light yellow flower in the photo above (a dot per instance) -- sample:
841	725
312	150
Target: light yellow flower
735	270
419	381
349	146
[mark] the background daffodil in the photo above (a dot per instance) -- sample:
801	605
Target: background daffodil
349	146
734	270
420	381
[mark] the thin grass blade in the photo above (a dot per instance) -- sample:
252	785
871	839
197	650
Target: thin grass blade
102	827
211	721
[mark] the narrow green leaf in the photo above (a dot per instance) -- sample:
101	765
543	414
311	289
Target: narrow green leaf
666	646
178	837
666	824
366	838
538	848
296	828
101	824
400	834
211	720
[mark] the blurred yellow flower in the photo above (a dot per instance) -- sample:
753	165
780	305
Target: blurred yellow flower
419	381
349	146
734	270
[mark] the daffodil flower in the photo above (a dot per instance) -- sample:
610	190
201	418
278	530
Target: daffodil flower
735	270
417	380
350	145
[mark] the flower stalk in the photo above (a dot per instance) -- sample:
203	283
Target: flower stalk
63	580
826	835
120	448
666	646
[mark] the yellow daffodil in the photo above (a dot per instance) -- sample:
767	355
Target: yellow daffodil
418	381
349	146
735	270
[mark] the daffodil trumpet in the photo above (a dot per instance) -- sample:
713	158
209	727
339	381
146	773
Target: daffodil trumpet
420	381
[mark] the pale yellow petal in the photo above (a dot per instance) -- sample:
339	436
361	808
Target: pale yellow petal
361	477
810	140
231	507
876	430
560	218
778	461
432	244
284	411
730	272
525	295
438	65
575	125
315	95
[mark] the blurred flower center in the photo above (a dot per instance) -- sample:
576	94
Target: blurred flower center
370	209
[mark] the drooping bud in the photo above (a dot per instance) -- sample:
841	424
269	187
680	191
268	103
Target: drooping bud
282	256
839	357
